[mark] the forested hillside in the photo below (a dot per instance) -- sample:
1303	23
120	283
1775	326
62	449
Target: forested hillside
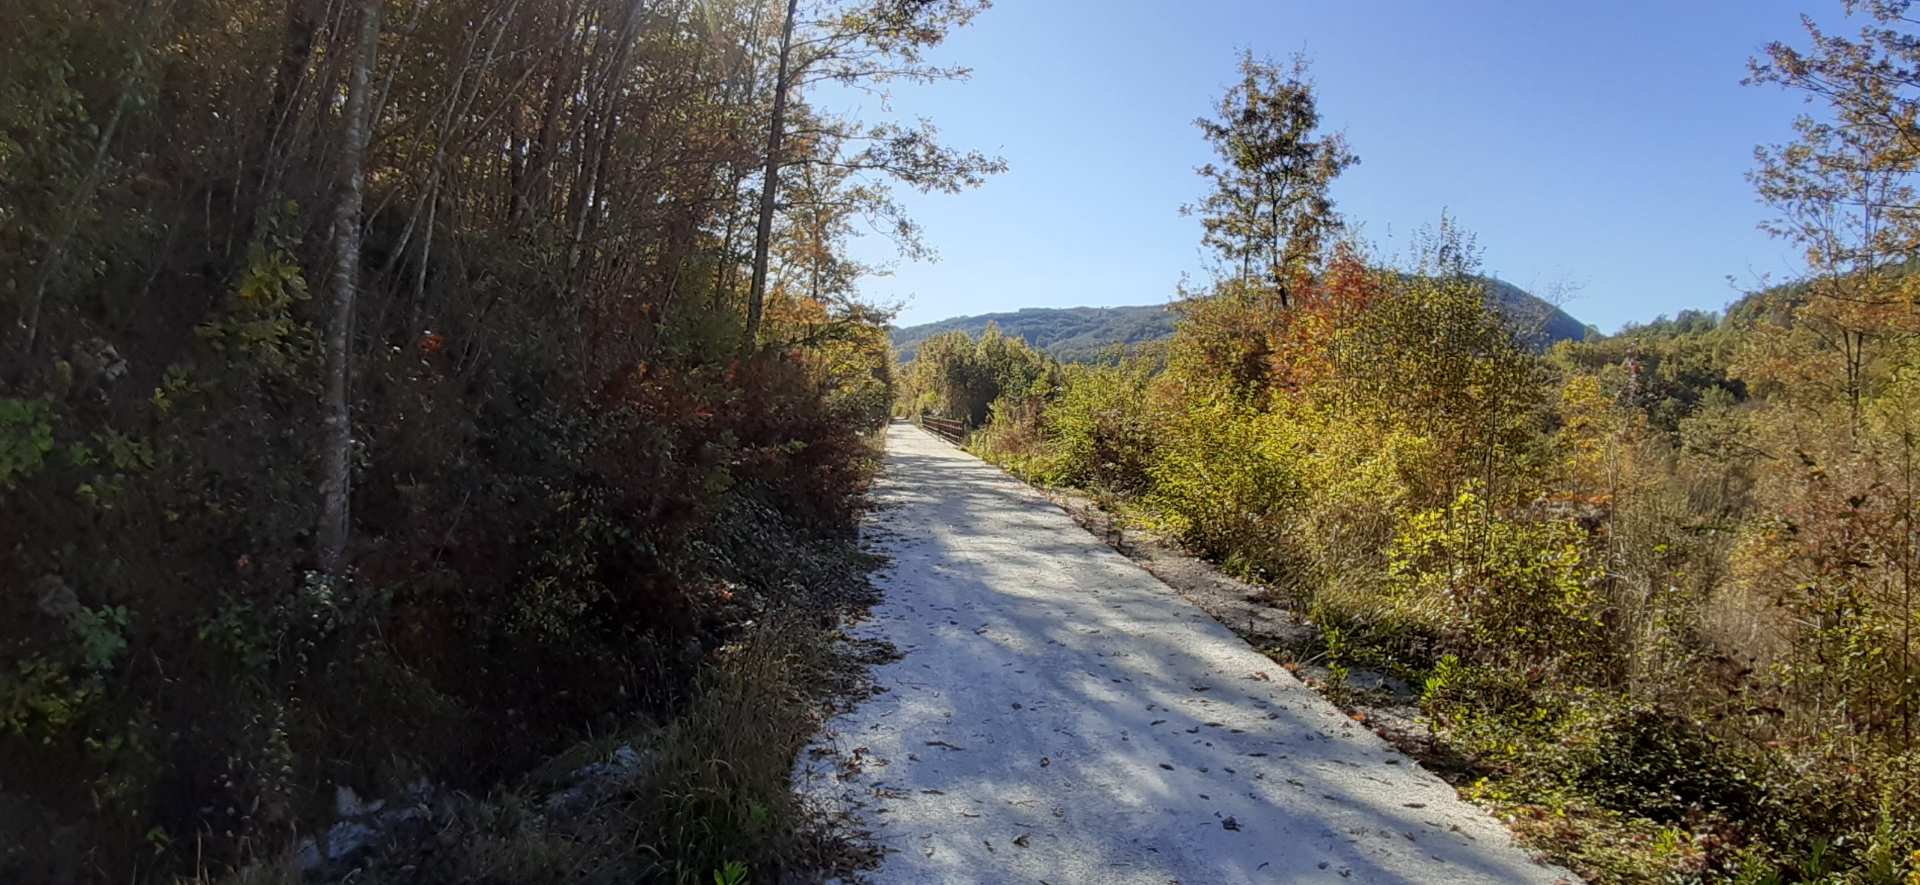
1071	334
1095	334
395	393
1540	322
1653	593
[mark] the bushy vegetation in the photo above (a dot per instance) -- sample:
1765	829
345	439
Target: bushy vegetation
1656	587
968	379
397	391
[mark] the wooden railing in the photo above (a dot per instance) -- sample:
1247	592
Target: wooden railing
952	431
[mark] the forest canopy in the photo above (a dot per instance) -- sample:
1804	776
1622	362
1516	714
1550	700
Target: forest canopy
397	391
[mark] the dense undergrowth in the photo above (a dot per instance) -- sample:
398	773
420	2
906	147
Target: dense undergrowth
1655	589
1594	653
704	793
398	393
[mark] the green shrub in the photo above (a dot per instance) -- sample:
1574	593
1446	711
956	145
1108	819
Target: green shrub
1099	428
26	438
1512	590
1225	481
1651	763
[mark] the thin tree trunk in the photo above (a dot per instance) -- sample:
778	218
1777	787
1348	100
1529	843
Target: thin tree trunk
420	272
728	268
1906	592
295	56
769	188
741	81
336	458
537	182
83	192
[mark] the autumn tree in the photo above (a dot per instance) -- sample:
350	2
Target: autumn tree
1843	191
863	44
1269	210
963	377
1833	548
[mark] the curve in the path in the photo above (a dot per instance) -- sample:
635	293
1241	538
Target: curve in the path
1060	716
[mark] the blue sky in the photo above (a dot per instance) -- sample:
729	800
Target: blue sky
1597	150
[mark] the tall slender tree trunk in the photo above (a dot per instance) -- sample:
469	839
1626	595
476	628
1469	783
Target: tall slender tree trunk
336	457
769	188
283	106
83	193
728	269
1906	593
741	81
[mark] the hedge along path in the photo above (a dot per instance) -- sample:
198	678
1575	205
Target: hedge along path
1059	715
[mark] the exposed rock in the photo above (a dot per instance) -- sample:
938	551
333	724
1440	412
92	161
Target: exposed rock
347	803
306	858
56	599
590	782
361	824
346	839
97	362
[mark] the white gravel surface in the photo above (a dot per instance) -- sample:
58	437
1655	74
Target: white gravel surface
1060	716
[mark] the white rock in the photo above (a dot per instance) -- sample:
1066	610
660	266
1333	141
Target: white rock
346	838
307	858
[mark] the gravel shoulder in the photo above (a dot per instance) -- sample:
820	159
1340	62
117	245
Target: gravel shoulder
1058	715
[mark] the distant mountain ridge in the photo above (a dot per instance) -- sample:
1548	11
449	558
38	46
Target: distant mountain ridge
1085	334
1536	318
1071	334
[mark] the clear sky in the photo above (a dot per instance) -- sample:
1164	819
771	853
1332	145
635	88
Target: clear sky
1596	149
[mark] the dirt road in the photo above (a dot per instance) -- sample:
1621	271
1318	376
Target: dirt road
1059	715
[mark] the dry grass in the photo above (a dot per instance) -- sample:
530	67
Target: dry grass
719	792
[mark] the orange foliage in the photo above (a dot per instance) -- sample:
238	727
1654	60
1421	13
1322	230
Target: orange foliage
1322	309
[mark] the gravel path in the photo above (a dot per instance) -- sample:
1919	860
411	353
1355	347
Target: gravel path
1058	715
